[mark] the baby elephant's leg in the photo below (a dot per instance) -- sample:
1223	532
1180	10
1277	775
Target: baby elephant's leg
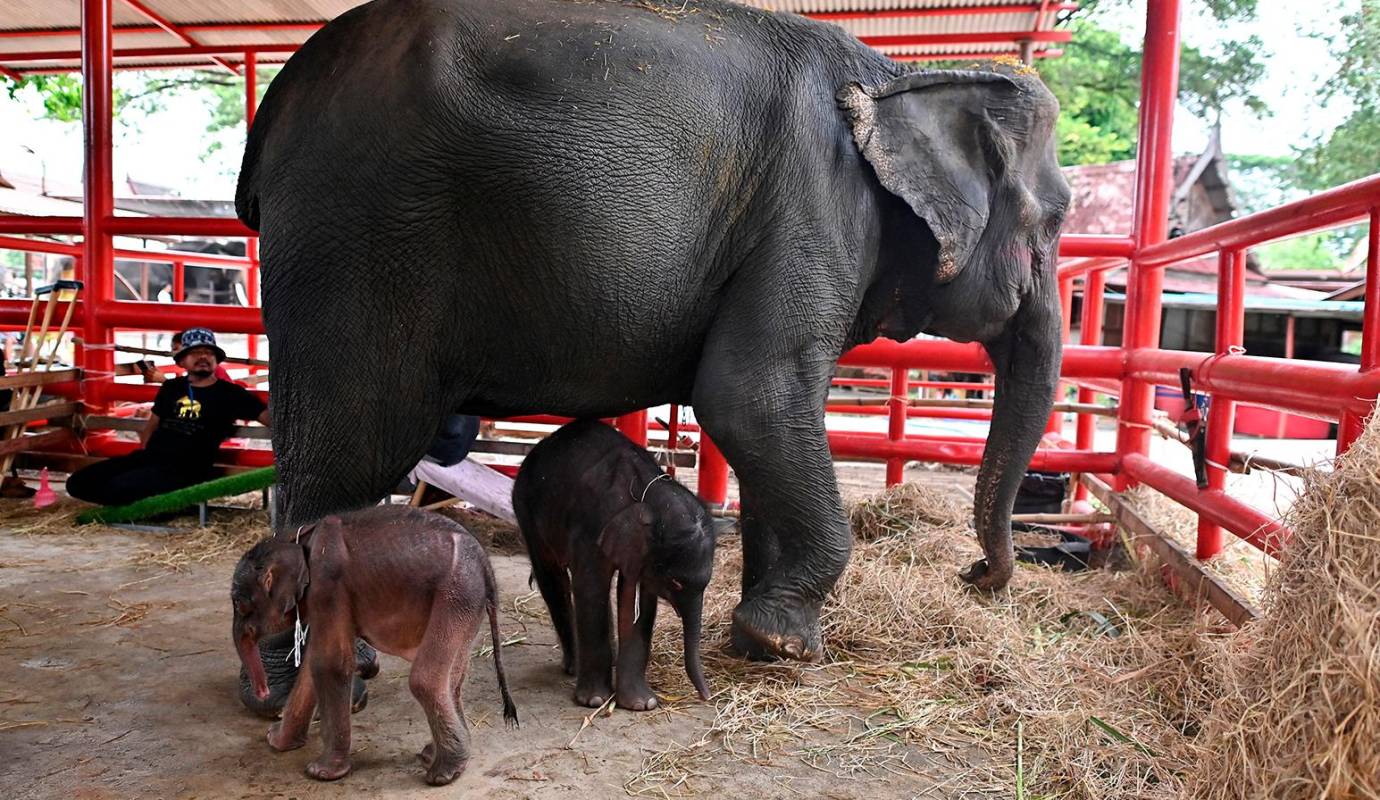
437	673
634	646
594	657
331	657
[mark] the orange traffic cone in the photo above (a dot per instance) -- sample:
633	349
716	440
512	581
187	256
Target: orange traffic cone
45	496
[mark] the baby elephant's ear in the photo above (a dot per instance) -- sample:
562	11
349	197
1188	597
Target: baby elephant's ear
623	540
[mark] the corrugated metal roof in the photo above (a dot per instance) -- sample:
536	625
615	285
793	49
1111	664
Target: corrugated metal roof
966	27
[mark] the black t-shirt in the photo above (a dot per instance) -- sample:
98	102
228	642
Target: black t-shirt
192	421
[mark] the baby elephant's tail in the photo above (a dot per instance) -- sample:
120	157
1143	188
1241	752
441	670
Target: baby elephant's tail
491	591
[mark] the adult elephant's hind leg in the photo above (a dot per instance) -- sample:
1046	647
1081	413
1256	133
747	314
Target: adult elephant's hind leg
771	429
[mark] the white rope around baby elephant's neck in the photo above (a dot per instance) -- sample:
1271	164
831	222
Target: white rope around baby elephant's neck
648	487
299	631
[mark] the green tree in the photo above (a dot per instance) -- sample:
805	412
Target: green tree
1350	151
1097	81
147	92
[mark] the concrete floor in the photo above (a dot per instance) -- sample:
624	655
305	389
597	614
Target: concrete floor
120	682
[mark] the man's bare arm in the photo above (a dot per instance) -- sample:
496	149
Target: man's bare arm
149	428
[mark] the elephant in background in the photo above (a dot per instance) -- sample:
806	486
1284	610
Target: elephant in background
502	207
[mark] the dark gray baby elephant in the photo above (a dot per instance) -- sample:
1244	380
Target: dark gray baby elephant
590	503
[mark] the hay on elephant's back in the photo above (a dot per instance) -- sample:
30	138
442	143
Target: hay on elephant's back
1299	712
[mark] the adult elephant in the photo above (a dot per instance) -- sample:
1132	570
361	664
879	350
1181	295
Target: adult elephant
499	207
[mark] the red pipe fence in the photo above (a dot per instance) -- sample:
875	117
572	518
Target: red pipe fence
1130	372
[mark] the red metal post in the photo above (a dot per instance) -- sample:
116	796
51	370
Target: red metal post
251	245
98	264
1231	327
1150	218
1056	418
896	424
1090	333
713	473
634	426
672	438
1290	331
1351	423
179	290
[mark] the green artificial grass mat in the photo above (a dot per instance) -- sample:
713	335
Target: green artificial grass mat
177	500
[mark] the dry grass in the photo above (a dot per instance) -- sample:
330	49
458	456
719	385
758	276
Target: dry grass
1299	714
1242	566
231	530
1098	675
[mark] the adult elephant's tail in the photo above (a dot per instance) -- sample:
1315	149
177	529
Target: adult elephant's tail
1027	357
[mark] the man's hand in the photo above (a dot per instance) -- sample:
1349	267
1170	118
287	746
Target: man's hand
149	428
151	373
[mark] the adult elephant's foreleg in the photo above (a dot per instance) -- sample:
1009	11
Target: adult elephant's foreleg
340	446
761	546
771	429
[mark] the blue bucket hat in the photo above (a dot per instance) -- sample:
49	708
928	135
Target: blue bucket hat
198	337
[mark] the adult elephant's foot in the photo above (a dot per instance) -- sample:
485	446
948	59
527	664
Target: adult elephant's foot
767	627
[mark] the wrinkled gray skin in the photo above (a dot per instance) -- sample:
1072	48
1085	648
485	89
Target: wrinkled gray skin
591	503
507	206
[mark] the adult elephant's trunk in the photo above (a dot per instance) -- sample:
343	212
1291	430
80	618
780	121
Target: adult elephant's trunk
1027	358
691	614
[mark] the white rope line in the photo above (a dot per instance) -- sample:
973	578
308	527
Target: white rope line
648	487
299	631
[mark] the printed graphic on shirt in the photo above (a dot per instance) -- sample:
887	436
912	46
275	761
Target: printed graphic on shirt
187	408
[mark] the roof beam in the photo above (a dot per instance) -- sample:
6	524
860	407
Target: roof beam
951	11
156	19
190	28
152	52
975	56
1012	37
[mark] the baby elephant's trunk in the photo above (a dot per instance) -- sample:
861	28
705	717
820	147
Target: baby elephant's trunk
248	647
491	591
690	616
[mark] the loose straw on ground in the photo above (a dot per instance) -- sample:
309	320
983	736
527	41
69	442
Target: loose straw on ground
925	680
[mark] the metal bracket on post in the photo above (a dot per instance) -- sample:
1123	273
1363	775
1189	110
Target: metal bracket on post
1192	419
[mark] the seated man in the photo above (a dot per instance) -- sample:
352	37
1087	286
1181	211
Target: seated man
153	374
191	416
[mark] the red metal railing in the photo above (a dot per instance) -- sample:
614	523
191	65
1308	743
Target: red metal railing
1130	371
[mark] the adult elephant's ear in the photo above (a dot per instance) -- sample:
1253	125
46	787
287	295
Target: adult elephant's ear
624	539
932	140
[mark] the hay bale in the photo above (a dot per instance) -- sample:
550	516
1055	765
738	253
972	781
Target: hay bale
1299	708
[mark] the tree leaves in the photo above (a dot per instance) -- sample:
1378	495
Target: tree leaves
1349	152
